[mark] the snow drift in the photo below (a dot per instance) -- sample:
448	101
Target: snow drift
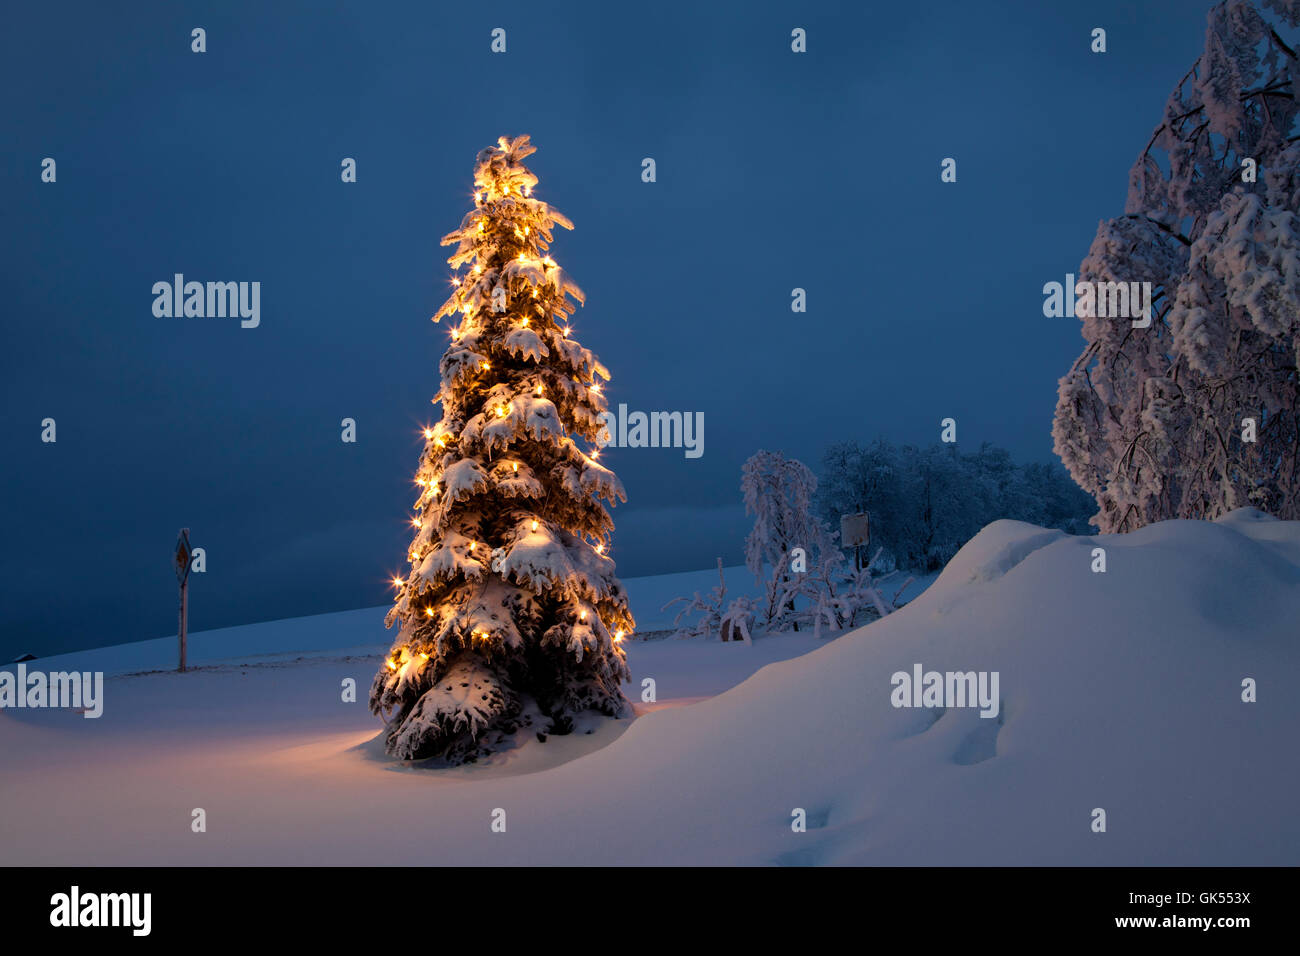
1119	690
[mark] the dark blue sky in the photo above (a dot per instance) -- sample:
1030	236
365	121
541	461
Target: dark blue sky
775	170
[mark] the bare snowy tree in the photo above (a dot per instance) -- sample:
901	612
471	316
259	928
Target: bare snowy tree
1153	421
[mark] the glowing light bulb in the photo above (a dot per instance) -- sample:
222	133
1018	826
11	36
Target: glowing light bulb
525	230
600	549
429	611
423	655
478	269
566	330
416	522
428	433
522	257
528	190
516	468
420	481
391	665
582	615
618	636
484	366
595	388
501	412
442	442
478	197
525	321
472	544
534	524
397	582
539	389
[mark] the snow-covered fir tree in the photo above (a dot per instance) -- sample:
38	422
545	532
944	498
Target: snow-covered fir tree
1153	421
511	611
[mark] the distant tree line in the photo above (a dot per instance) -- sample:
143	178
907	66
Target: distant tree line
925	503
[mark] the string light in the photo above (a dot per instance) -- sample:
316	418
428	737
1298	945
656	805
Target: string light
397	582
471	545
566	331
424	655
534	524
582	615
525	321
618	636
516	467
416	522
595	387
429	611
391	665
528	190
484	367
501	411
600	549
428	433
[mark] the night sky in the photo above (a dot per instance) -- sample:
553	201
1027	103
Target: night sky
775	170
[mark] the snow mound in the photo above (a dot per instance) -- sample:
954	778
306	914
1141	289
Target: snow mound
1120	691
997	549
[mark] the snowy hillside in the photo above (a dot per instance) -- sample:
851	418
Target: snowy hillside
1118	690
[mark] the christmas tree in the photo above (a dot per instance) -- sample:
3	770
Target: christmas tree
511	615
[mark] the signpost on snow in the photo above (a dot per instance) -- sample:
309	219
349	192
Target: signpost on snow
855	533
182	562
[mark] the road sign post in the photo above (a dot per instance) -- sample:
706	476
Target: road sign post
182	563
855	533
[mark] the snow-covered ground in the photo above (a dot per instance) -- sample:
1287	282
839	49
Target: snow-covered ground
1118	690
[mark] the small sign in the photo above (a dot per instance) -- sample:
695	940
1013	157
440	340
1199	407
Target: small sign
183	555
855	530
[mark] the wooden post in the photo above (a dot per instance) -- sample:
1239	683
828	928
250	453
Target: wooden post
185	594
181	561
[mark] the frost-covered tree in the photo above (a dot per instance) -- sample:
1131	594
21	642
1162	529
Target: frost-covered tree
511	610
927	503
1150	421
778	492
